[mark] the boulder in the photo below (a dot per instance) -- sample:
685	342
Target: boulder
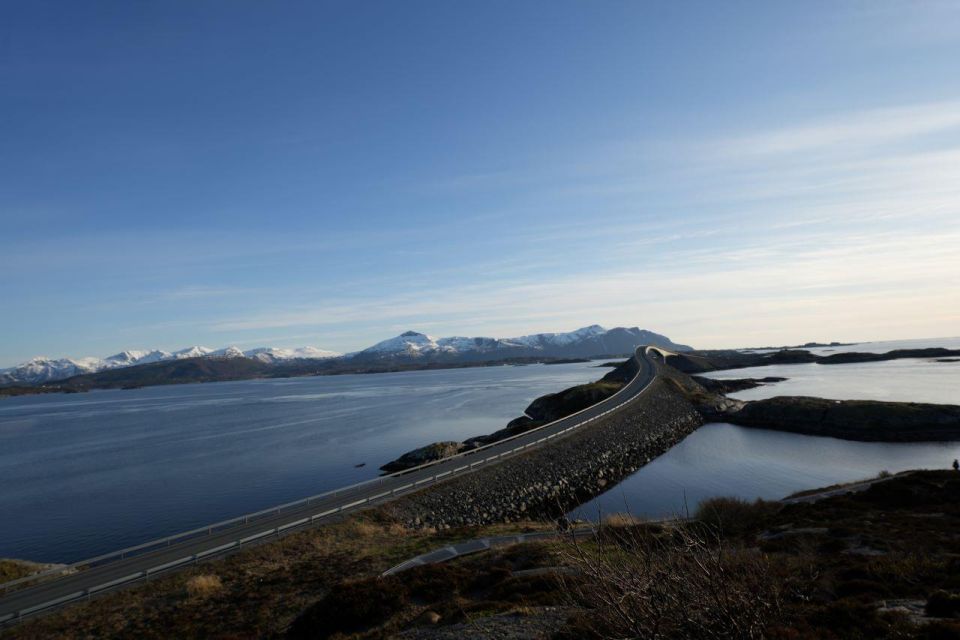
423	455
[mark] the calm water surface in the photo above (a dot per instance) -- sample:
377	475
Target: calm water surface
728	460
88	473
84	474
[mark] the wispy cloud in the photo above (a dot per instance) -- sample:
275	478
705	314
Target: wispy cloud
846	226
861	129
199	292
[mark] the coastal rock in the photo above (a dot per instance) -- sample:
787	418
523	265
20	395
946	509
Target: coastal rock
866	420
423	455
732	386
541	411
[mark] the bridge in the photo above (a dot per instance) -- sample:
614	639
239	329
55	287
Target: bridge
88	578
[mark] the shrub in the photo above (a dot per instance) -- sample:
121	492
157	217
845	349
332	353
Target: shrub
732	517
433	582
536	590
940	631
204	586
350	607
853	619
680	584
862	587
942	604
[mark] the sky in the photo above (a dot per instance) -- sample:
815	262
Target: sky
334	173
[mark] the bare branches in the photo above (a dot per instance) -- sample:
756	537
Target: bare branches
675	581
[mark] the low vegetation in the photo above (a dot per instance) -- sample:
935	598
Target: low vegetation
882	563
204	586
16	569
256	593
734	517
500	582
679	581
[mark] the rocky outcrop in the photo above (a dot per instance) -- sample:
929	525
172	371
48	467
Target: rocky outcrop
703	361
849	419
558	405
541	411
549	480
423	455
732	386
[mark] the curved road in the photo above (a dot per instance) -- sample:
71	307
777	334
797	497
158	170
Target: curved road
173	554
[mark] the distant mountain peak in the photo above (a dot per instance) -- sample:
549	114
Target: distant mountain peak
592	340
42	369
583	342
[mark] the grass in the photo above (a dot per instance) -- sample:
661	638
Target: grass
826	566
461	591
204	586
16	569
832	563
261	589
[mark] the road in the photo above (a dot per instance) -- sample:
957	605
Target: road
174	554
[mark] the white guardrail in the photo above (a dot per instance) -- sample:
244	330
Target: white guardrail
278	510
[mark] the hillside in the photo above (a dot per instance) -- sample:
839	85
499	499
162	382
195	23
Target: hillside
879	564
408	351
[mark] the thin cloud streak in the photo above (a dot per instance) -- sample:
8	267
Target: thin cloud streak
866	128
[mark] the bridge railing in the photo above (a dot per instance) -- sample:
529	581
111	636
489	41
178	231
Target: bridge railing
304	502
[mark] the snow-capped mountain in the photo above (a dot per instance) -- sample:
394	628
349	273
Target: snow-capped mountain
275	354
408	343
588	341
546	340
42	369
411	345
190	352
127	358
414	345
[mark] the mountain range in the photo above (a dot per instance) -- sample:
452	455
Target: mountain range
408	347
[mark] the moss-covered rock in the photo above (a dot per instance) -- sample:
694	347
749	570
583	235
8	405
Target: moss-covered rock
423	455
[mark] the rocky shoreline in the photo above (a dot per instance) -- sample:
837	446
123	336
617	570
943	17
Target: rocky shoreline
693	362
724	386
863	420
547	482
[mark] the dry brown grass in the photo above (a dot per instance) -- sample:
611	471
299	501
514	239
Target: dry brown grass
366	529
204	585
15	569
620	520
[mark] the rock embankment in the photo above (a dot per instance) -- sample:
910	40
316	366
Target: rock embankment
546	482
541	411
866	420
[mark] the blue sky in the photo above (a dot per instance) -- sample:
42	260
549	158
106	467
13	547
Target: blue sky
332	173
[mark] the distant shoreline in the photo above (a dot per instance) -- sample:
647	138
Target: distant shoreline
89	382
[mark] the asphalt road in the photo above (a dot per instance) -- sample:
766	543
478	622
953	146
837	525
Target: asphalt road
117	573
